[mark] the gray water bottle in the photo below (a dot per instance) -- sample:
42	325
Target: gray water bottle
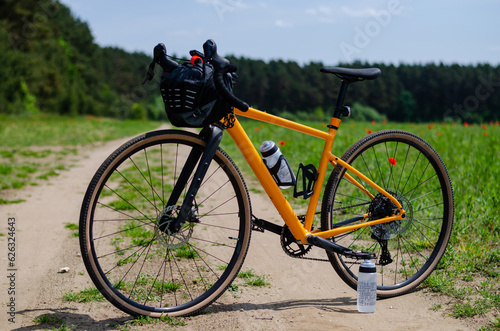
367	287
277	164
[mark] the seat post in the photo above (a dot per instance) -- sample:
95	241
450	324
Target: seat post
338	111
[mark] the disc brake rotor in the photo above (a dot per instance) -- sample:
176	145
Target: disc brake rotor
382	207
168	239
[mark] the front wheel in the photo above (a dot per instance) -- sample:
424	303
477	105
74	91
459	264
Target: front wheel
133	259
408	250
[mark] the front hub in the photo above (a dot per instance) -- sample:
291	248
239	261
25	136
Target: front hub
170	239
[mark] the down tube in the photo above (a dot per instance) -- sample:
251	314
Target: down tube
255	162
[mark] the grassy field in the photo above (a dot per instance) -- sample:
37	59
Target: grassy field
34	149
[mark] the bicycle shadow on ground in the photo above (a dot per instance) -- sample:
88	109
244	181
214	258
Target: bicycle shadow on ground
58	318
344	305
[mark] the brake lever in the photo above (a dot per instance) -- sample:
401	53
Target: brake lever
160	57
150	74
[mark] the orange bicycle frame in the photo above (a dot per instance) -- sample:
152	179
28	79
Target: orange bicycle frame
254	160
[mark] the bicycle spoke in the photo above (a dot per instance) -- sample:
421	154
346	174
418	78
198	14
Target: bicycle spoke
378	166
403	167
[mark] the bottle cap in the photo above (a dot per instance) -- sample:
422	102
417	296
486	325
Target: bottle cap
367	267
268	147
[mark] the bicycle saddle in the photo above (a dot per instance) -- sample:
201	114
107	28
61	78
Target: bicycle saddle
353	75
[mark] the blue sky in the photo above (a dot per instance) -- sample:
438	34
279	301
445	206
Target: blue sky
389	31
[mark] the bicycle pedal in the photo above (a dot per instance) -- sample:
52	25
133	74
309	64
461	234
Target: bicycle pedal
359	255
255	227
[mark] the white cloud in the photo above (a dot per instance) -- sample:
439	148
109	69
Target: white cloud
282	24
322	13
225	3
365	12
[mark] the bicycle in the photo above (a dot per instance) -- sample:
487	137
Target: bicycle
166	220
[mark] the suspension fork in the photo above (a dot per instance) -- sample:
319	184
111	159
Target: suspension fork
212	135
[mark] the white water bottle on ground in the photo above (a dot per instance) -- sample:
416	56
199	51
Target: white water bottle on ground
277	164
367	287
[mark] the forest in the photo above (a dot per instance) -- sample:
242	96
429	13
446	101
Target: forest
51	64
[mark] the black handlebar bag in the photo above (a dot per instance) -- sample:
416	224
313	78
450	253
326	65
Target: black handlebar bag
190	97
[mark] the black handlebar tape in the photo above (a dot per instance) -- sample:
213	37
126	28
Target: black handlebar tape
222	66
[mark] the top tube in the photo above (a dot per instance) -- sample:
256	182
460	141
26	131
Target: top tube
279	121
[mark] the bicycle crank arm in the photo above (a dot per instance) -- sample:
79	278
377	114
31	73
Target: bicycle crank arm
261	225
334	248
213	138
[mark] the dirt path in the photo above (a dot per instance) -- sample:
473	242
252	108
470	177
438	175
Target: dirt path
302	295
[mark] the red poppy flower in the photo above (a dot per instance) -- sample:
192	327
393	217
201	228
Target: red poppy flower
439	134
256	129
430	126
368	131
282	143
392	161
466	124
373	122
485	133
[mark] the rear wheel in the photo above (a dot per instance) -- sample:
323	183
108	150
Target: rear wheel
142	268
408	250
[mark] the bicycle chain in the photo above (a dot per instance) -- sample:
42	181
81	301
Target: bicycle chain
304	216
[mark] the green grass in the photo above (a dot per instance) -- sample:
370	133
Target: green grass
250	278
146	320
436	307
186	252
73	227
57	323
53	130
89	294
48	319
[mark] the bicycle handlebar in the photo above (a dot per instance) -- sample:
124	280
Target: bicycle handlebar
222	67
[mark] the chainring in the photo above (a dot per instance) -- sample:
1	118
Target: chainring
291	246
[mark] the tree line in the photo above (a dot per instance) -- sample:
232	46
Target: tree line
50	63
417	92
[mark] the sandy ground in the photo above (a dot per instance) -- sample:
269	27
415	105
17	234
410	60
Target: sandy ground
302	294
